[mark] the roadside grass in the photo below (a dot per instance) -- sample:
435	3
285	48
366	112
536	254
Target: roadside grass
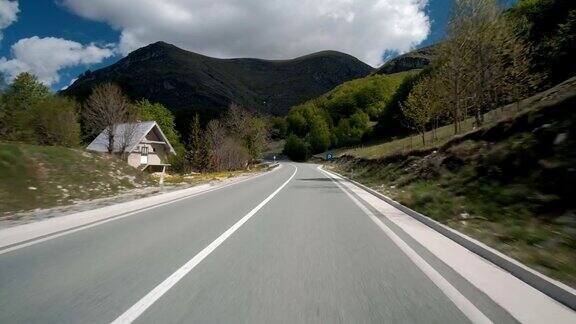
197	178
34	176
414	142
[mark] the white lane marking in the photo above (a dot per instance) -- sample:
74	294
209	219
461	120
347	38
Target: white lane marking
465	306
117	217
137	309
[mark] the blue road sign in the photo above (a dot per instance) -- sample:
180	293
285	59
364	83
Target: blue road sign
329	157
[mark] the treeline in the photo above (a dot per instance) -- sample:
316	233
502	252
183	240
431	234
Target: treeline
344	116
491	56
229	143
31	113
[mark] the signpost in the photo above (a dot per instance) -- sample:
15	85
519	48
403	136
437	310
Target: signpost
329	157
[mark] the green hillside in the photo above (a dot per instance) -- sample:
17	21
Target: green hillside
509	184
34	176
342	117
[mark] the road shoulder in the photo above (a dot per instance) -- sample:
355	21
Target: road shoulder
16	237
521	300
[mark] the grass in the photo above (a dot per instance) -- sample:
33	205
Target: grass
406	144
34	176
198	178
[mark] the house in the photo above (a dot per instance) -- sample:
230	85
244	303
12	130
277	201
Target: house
144	144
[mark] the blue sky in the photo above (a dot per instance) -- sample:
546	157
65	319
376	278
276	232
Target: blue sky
111	35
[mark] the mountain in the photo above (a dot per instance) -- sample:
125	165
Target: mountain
180	79
416	59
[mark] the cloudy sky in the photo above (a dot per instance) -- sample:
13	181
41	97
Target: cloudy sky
59	39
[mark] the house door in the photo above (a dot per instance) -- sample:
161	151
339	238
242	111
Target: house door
144	155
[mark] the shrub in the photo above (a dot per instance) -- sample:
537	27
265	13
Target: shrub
295	148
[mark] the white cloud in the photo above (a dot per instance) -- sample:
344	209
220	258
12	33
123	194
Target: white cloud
264	28
8	14
45	57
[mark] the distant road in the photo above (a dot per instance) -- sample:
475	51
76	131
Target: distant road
291	246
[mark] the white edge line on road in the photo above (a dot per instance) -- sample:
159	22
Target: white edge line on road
78	228
140	307
465	306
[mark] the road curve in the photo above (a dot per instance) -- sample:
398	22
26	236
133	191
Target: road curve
288	247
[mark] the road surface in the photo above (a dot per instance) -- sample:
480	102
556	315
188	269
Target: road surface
288	247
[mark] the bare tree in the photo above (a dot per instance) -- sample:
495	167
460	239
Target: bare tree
126	136
232	155
105	109
483	63
251	131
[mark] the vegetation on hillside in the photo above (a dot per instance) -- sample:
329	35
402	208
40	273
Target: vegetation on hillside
341	117
549	26
509	184
485	162
30	113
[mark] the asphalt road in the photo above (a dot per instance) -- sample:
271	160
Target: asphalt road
287	247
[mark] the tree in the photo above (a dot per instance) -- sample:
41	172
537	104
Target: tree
279	128
319	136
105	109
391	122
295	148
343	133
422	106
147	111
56	121
194	144
297	124
17	119
483	63
232	155
228	153
549	26
248	129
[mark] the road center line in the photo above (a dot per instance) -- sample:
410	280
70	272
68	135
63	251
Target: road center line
465	306
137	309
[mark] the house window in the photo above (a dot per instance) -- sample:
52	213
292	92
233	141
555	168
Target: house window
144	155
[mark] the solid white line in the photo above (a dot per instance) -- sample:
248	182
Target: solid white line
137	309
78	228
465	306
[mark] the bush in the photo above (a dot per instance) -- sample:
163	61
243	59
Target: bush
279	128
295	148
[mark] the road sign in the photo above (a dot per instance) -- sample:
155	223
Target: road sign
329	157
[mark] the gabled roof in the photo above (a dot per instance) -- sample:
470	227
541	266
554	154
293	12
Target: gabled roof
130	134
